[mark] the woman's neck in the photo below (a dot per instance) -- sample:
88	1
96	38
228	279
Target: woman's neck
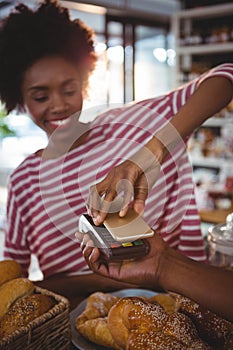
58	146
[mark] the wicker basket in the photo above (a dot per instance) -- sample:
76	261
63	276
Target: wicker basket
50	331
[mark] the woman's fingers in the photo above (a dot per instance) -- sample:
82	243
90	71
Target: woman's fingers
114	193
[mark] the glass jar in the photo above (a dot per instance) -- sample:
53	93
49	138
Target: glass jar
220	244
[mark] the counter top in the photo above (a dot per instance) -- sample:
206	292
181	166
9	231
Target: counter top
214	216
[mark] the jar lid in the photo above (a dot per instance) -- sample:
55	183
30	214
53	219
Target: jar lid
223	233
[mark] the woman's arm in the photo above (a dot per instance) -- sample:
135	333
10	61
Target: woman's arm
210	97
141	171
166	268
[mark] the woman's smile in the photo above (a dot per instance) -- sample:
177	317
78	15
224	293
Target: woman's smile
61	123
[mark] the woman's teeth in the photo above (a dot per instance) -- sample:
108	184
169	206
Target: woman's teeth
60	122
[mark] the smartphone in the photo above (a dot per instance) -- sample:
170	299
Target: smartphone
111	249
127	228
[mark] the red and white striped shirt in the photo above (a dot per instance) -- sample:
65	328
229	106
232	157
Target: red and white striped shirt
47	197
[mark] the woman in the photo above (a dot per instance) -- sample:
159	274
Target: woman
45	62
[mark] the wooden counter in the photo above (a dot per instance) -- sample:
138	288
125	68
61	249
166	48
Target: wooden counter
214	216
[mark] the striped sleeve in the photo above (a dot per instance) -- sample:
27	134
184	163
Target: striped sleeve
15	246
224	70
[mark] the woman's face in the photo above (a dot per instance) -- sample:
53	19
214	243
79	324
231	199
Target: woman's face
52	93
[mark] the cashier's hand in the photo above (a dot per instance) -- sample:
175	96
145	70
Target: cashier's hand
130	180
144	271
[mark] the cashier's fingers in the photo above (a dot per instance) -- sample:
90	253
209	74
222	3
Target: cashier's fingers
92	254
84	239
87	245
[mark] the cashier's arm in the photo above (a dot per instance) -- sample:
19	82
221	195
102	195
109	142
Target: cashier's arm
166	268
76	288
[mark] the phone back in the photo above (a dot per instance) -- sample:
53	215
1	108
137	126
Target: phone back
128	228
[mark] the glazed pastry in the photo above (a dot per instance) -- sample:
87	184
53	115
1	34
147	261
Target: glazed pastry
136	314
181	327
160	341
136	324
153	341
167	301
212	328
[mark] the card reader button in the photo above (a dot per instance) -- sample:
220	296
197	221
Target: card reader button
115	245
127	244
139	242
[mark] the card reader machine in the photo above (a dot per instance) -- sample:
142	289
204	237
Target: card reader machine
110	248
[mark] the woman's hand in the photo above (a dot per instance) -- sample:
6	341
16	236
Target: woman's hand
144	272
130	180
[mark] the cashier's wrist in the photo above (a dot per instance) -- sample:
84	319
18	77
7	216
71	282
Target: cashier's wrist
150	156
167	268
157	148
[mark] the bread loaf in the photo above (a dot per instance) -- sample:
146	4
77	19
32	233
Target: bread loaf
13	290
9	269
23	311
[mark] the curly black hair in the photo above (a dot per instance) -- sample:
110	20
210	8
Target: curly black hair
27	35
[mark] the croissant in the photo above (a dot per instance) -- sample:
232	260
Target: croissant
98	304
212	328
97	331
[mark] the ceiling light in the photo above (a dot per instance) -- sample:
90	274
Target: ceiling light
99	10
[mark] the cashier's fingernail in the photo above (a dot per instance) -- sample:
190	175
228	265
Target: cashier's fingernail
78	236
96	219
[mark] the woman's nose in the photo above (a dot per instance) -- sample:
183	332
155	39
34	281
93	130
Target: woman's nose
57	103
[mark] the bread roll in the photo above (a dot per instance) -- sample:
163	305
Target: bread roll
13	290
9	269
23	311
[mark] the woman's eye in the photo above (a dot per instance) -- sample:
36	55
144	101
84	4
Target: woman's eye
70	92
40	98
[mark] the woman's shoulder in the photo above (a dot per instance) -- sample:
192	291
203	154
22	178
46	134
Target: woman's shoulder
29	163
